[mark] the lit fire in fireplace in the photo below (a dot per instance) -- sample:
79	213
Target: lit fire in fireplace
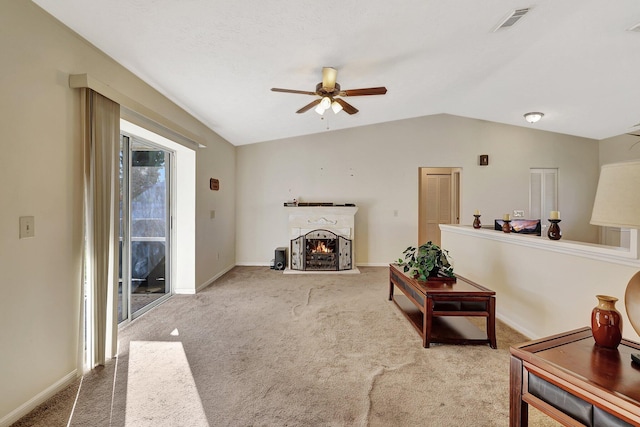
321	250
321	247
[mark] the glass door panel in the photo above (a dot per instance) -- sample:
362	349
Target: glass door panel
146	243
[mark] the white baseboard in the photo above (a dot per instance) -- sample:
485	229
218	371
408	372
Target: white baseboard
524	331
373	264
213	279
41	397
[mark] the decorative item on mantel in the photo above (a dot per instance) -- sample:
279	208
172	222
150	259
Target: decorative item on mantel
554	232
506	227
476	221
606	322
298	203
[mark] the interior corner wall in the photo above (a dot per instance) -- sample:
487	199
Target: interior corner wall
376	167
619	149
215	213
41	176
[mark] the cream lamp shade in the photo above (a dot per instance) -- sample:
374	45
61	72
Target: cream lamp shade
617	202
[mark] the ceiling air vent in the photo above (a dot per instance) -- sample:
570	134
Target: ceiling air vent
514	17
635	28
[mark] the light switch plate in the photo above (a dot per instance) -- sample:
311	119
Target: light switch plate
518	214
27	227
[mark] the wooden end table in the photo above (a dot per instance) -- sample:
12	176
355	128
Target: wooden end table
574	381
424	302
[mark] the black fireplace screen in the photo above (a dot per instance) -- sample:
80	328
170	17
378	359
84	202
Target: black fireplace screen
321	250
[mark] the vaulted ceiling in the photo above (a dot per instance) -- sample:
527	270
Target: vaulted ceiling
577	61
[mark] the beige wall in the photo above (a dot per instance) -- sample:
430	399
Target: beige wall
376	167
542	287
40	175
619	149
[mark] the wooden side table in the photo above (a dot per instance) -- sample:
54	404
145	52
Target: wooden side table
574	381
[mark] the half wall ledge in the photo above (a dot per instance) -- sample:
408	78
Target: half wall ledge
620	255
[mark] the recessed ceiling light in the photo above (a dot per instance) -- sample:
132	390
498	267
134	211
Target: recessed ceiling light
533	117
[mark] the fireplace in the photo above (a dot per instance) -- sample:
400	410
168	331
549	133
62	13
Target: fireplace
321	250
322	239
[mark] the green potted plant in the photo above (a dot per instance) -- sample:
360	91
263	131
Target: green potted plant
428	260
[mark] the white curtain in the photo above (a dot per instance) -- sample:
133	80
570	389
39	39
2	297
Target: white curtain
101	146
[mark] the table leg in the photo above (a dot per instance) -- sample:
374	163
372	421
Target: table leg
518	410
390	290
427	321
491	323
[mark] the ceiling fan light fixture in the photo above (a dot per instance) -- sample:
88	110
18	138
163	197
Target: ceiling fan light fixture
325	92
326	102
533	117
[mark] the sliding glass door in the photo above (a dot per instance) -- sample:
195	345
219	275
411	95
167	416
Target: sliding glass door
145	223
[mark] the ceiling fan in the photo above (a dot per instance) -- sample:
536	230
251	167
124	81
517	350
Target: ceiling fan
328	92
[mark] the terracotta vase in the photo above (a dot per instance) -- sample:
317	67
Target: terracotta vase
606	322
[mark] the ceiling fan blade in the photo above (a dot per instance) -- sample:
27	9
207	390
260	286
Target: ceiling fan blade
367	91
309	106
329	76
346	107
302	92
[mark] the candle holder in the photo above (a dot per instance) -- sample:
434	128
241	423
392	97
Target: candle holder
506	226
554	232
476	222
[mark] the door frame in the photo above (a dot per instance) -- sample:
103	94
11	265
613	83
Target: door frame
456	190
126	233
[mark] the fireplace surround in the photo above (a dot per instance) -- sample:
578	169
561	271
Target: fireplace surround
321	239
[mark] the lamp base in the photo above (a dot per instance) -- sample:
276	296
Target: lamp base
632	302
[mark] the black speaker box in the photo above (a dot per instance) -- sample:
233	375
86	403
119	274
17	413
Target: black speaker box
280	262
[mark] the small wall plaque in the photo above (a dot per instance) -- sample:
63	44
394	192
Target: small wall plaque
484	160
214	184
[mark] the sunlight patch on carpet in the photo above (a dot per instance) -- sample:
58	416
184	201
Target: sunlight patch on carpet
160	387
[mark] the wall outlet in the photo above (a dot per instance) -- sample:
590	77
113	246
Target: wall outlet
518	214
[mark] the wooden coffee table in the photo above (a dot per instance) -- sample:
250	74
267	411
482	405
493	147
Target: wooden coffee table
437	309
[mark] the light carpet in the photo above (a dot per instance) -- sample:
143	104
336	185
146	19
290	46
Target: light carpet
268	349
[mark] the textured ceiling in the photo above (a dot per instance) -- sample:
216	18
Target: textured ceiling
574	60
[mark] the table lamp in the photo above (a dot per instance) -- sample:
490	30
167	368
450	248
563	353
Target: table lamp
617	204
